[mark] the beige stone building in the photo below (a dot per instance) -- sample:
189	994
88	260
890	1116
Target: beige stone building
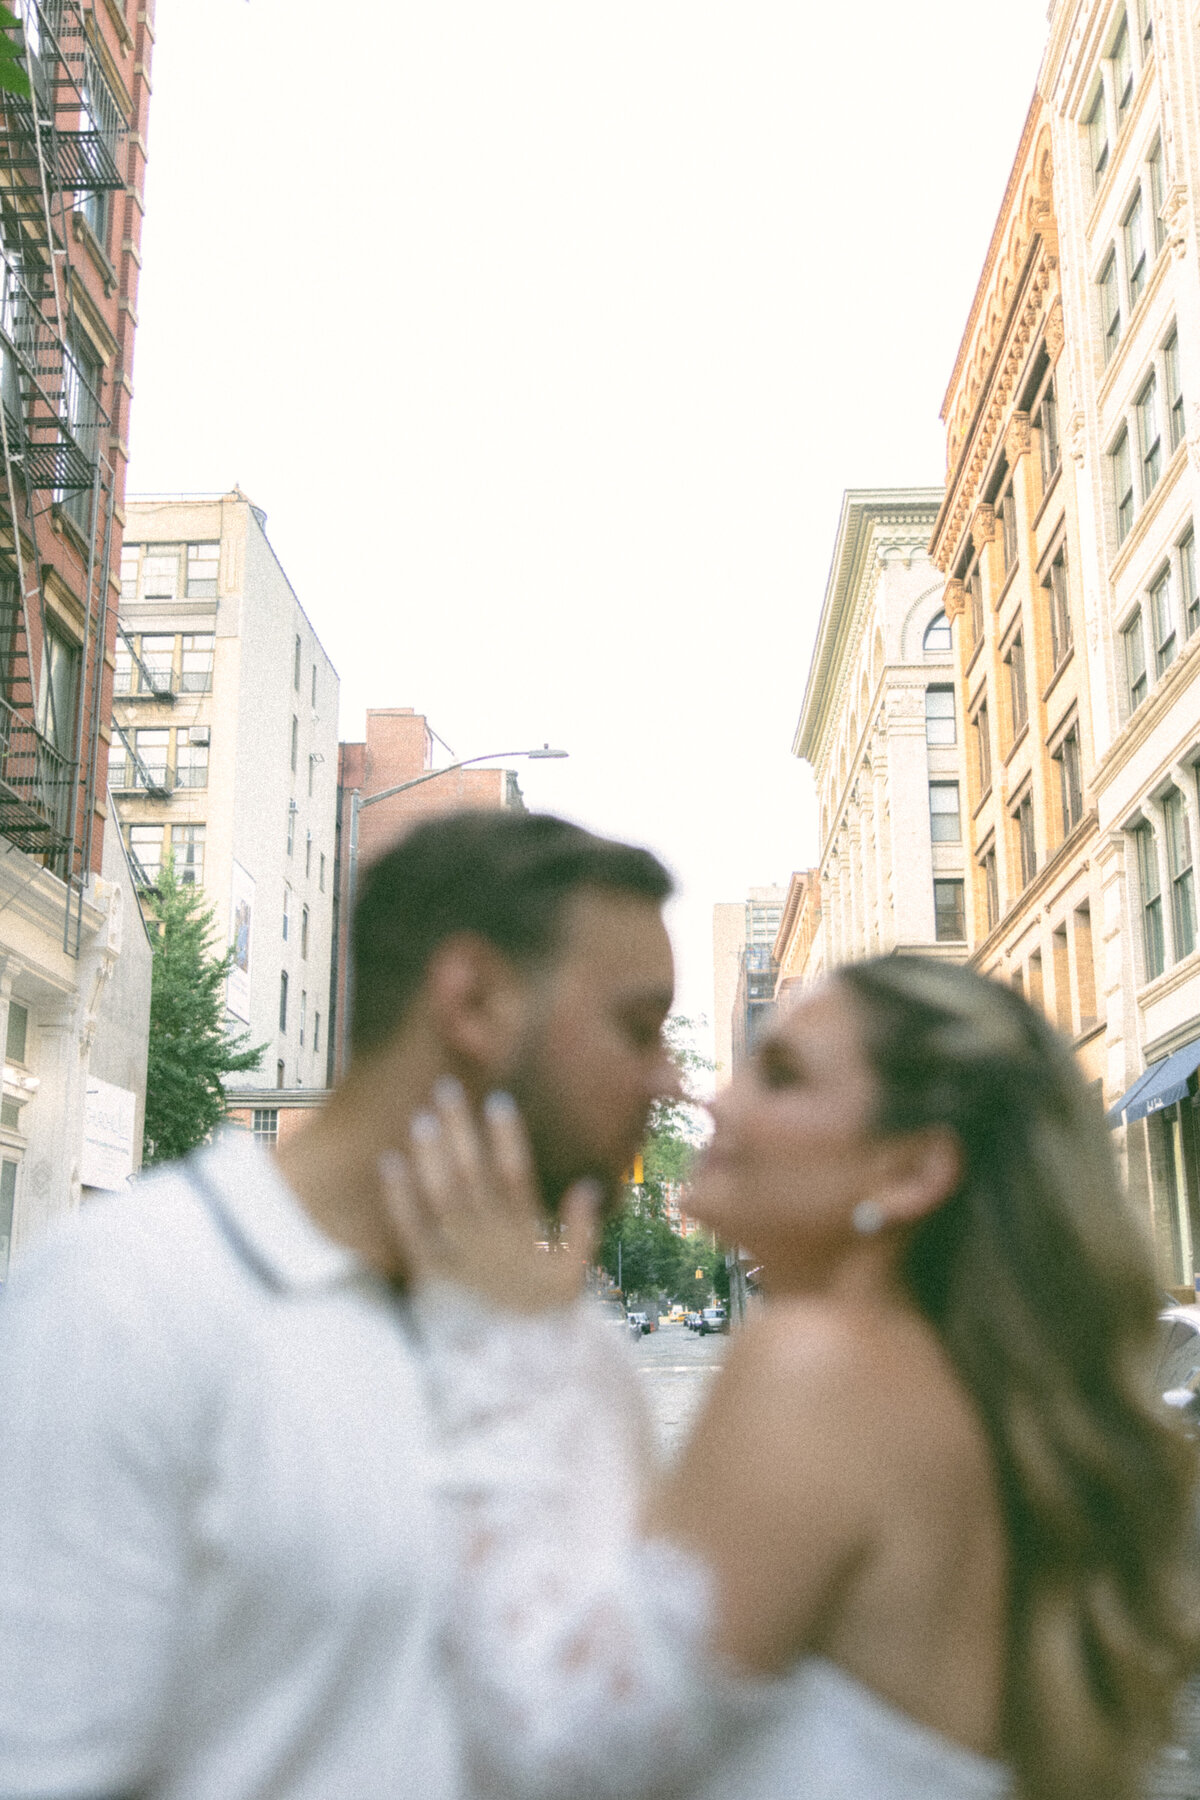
225	756
1120	86
1008	535
880	727
744	934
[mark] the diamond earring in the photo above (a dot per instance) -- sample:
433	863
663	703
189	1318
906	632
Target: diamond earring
868	1218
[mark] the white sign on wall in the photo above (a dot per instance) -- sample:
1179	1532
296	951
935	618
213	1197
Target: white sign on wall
109	1119
241	914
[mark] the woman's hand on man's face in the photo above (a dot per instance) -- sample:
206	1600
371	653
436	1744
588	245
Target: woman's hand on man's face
464	1206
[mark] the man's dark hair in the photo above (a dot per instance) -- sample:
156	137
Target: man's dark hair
502	875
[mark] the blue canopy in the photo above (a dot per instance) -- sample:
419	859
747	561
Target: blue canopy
1162	1084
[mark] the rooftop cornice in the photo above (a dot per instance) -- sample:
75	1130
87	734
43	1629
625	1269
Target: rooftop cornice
869	516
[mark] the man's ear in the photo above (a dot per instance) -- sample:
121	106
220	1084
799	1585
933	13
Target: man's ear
922	1169
476	1000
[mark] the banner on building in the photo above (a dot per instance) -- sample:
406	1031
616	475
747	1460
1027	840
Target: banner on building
241	914
109	1120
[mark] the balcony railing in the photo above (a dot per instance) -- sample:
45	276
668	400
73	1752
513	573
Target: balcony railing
35	785
78	120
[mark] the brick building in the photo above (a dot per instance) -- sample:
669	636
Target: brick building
74	960
398	749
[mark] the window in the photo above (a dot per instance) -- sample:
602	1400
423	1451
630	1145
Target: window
1187	582
991	887
187	848
1162	622
296	664
1122	70
202	562
975	589
291	827
1097	130
308	853
1085	968
279	1073
283	987
266	1124
295	751
983	747
312	769
17	1035
314	687
1017	697
1153	949
191	757
1070	780
1049	448
153	750
60	684
130	557
196	665
939	716
1058	604
160	572
316	1032
1122	472
949	912
8	1198
1008	528
937	636
158	665
1110	307
1146	17
1158	194
1026	840
145	853
321	873
123	673
1136	684
1134	227
1149	436
944	826
1175	419
287	912
304	931
1178	833
303	1015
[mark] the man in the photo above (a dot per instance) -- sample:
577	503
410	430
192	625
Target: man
224	1570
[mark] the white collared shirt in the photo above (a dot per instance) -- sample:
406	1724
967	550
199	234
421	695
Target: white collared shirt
220	1561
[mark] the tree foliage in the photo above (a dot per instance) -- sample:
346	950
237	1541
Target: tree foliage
190	1044
13	79
638	1240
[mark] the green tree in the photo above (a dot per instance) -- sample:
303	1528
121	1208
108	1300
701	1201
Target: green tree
190	1044
638	1241
13	79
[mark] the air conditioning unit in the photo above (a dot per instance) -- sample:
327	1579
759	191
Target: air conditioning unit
198	734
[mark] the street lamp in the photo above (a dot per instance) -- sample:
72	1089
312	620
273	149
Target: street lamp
358	804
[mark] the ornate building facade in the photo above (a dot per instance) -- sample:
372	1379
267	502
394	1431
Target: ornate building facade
881	729
1120	82
1007	537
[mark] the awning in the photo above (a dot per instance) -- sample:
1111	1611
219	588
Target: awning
1162	1085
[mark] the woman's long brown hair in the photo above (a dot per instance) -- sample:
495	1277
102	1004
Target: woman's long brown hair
1039	1282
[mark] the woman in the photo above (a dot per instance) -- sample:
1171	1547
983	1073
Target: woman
932	1500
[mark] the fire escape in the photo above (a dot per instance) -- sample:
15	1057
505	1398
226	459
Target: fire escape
59	153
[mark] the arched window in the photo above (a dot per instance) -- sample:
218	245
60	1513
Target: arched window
937	636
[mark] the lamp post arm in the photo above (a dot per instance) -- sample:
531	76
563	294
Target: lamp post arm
432	775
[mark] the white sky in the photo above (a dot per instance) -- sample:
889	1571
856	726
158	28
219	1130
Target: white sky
548	336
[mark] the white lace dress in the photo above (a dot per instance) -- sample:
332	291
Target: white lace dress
580	1647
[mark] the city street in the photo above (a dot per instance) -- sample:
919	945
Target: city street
677	1368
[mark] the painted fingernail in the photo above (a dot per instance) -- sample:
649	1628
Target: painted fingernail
425	1127
447	1091
500	1105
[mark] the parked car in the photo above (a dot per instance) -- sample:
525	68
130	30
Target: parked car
692	1321
713	1318
1178	1357
639	1324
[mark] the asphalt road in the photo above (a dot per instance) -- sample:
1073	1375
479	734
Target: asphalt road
677	1368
